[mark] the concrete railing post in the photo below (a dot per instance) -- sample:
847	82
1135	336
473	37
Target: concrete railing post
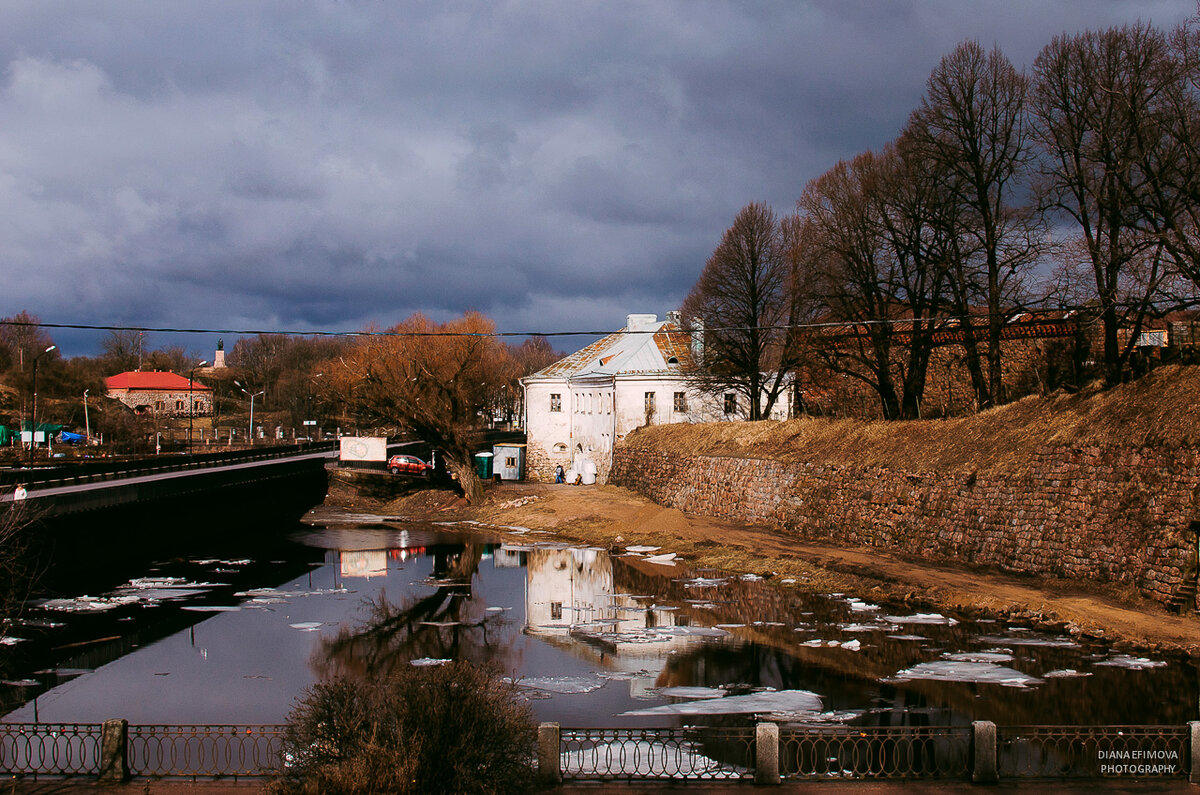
114	740
766	753
1194	751
549	761
984	769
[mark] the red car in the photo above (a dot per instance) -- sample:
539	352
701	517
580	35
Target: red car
408	465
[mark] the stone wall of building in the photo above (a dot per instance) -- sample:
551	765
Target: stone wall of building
1118	515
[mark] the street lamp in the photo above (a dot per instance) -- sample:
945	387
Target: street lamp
33	408
252	396
191	403
87	426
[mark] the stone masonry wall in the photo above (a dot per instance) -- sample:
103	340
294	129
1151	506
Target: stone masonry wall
1118	515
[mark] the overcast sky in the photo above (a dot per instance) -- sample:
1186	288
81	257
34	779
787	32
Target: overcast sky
302	165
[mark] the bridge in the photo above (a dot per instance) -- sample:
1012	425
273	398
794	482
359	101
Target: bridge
72	488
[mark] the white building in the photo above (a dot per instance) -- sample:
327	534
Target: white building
579	407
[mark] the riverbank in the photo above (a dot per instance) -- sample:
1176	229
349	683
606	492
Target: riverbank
609	516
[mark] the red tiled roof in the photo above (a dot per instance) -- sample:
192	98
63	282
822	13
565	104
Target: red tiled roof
168	382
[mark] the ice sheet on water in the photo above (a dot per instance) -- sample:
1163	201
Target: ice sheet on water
875	627
705	582
9	640
276	593
859	606
692	692
563	685
751	578
641	550
665	559
1130	662
306	626
907	637
648	759
979	656
952	671
1030	640
791	701
623	676
212	608
426	662
88	604
1065	673
922	618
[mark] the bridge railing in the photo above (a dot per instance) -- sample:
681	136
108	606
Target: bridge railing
94	471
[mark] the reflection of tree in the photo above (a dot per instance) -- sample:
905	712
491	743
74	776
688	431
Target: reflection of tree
446	624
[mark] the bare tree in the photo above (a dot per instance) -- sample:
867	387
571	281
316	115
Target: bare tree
432	379
122	351
877	238
971	123
1095	109
743	306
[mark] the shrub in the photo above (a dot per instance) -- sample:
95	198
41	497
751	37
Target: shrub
456	728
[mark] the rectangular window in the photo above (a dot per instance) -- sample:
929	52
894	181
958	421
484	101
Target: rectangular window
555	401
649	404
730	403
510	462
556	611
179	405
681	402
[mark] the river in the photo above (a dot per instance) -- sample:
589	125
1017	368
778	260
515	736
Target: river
233	628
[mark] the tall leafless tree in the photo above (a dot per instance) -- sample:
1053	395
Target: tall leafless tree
972	124
1096	101
741	301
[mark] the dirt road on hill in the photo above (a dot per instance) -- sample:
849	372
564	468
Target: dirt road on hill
609	516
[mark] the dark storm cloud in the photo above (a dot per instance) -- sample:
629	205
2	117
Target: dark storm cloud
324	165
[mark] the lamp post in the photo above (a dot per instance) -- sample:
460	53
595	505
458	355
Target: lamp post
87	426
191	403
252	396
33	408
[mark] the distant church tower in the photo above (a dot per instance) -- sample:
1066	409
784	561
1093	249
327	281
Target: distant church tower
219	356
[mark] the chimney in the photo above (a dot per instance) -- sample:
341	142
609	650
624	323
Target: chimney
641	322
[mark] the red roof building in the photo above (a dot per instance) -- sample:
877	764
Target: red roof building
165	394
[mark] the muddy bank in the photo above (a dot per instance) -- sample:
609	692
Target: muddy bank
609	516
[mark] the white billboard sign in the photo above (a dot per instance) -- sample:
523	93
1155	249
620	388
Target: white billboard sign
363	448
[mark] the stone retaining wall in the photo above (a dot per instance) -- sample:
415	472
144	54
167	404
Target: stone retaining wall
1119	515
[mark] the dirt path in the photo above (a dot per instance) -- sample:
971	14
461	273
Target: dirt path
609	516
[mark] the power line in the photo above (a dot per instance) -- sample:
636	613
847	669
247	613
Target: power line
982	316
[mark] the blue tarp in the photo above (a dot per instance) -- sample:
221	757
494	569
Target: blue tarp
66	437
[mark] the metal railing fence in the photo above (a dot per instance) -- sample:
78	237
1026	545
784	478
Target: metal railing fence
693	752
55	749
204	751
1092	751
873	752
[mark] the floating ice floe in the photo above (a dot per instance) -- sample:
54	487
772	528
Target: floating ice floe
692	692
907	637
211	608
20	683
859	606
979	656
868	627
730	626
563	685
276	593
952	671
768	623
788	581
88	604
641	550
498	609
645	758
751	578
705	582
426	662
9	640
1131	663
1033	640
665	559
755	703
922	618
1065	673
307	626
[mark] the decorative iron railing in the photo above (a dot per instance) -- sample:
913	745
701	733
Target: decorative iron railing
204	751
1093	751
676	753
981	752
54	749
868	752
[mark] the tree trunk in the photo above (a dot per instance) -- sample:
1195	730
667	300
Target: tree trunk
468	478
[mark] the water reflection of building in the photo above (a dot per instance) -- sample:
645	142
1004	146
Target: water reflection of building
363	562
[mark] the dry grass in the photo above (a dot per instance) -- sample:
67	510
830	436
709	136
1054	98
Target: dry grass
1159	409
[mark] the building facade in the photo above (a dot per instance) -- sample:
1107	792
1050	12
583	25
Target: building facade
578	408
161	394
